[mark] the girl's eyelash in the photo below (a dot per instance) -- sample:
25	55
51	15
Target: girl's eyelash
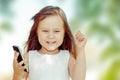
57	31
45	30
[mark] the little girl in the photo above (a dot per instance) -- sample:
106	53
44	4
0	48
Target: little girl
52	51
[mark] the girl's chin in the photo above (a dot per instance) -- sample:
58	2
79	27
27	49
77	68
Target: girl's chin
52	49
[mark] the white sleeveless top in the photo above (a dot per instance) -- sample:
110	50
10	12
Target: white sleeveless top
48	66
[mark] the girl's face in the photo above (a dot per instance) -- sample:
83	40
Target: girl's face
50	34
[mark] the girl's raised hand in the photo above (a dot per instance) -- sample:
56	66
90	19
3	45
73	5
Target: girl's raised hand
80	40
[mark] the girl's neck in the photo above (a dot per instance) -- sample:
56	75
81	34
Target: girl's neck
45	51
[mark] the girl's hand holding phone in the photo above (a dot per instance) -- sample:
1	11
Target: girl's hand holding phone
19	72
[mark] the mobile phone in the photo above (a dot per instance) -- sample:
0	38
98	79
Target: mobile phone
15	48
19	59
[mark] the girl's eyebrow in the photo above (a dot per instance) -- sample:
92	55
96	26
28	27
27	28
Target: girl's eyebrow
42	28
57	28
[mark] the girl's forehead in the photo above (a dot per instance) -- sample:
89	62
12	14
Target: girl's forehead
51	21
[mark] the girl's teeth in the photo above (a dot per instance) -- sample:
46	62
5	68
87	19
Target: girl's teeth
50	42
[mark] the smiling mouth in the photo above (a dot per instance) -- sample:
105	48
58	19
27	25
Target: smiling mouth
51	42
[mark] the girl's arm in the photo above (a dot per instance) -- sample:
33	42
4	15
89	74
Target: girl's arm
80	67
77	67
19	73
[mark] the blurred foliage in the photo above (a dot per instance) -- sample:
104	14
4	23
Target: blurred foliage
111	50
114	11
5	13
90	10
87	9
5	7
5	26
113	72
101	31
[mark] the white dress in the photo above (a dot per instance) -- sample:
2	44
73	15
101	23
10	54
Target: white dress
48	66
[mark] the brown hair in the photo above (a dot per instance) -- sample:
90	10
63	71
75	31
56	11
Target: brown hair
68	42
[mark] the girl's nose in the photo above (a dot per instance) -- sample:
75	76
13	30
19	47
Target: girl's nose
51	35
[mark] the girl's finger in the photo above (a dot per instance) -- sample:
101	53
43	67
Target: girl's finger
79	37
79	34
21	63
26	59
15	56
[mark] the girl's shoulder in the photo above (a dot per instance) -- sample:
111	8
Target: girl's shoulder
64	51
32	51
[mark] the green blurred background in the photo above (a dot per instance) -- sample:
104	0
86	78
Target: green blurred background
99	20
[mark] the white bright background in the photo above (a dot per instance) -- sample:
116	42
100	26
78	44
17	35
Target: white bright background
24	10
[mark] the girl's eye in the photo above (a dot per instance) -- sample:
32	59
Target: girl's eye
45	30
57	31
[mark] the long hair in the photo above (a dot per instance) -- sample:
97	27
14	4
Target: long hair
68	42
